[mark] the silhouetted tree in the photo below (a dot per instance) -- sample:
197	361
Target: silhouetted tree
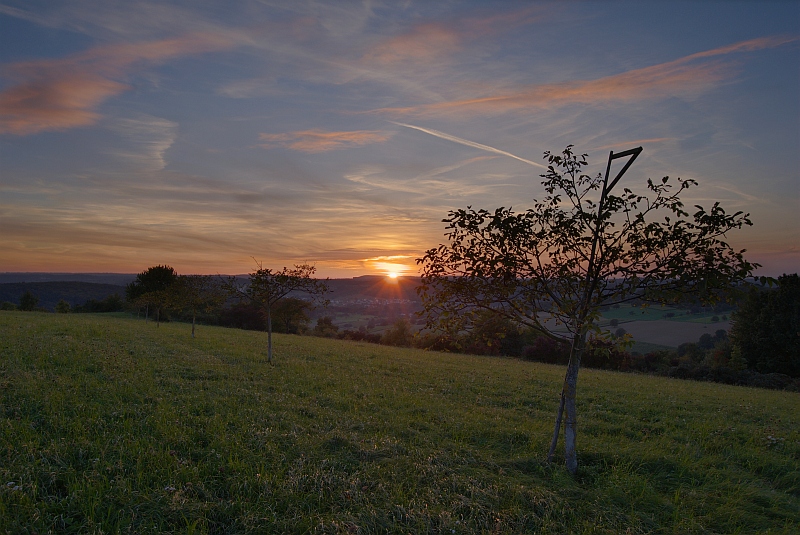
292	314
553	266
765	331
266	288
325	327
152	289
195	294
399	334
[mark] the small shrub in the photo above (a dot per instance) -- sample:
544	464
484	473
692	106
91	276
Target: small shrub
545	349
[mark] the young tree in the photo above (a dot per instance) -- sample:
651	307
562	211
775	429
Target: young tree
553	266
197	293
151	288
267	288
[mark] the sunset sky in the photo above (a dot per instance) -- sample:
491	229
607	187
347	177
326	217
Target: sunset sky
201	134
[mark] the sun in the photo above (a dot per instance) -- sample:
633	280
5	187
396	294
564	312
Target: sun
392	274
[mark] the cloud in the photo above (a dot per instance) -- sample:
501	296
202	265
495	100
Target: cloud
423	43
150	137
317	140
683	76
53	95
429	41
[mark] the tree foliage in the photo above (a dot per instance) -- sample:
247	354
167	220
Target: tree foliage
151	288
399	334
766	328
196	294
553	266
266	288
291	315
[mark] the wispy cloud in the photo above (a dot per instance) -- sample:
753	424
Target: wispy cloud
149	137
316	140
422	43
684	76
469	143
429	41
59	94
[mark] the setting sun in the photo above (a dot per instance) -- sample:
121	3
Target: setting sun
392	275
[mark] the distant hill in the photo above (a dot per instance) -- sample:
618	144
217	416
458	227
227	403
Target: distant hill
372	287
117	279
77	288
51	292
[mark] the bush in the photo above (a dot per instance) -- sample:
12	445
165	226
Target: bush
325	327
243	316
605	355
360	336
28	301
400	334
545	349
654	361
112	303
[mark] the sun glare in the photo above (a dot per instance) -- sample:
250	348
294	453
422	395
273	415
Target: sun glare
392	275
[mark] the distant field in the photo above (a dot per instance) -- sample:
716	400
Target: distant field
113	425
670	333
652	325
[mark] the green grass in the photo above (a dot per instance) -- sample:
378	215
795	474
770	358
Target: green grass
113	425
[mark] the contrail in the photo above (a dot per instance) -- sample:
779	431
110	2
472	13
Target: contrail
468	143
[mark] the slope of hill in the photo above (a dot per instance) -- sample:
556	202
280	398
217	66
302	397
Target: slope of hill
116	425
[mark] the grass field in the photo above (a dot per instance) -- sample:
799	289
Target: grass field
113	425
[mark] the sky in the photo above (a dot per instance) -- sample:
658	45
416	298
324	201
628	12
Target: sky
209	134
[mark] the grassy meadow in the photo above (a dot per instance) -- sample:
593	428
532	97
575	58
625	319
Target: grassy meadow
113	425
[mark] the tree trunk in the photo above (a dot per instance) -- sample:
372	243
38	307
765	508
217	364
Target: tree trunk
269	336
158	317
570	389
567	404
193	315
554	441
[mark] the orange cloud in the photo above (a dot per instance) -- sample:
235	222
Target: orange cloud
316	140
64	93
423	43
676	77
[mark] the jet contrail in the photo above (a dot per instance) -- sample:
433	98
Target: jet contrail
468	143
